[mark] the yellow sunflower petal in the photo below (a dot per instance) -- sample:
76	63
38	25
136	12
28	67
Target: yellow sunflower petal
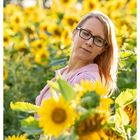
100	89
21	137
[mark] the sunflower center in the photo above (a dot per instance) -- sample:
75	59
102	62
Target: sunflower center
58	115
57	32
91	5
5	39
71	21
64	1
17	20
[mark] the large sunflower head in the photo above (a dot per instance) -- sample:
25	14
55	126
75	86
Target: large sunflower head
56	116
21	137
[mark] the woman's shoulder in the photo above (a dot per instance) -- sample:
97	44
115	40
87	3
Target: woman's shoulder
89	72
91	67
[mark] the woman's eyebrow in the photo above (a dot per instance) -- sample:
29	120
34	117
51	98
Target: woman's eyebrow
94	35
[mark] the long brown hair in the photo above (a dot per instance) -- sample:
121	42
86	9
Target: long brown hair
108	60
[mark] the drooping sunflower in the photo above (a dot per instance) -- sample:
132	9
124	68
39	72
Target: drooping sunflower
113	135
132	113
92	128
56	116
21	137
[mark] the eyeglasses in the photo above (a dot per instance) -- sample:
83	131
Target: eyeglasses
98	41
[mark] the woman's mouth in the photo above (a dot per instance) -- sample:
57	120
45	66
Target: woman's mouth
85	50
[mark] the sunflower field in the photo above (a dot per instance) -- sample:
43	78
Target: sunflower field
37	41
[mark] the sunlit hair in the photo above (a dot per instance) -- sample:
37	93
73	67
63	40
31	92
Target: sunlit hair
108	60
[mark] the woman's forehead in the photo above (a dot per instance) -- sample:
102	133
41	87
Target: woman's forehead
95	26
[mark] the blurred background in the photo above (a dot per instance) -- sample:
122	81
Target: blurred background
37	41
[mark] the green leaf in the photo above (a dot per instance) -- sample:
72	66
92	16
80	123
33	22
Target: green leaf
90	100
126	97
54	85
68	136
126	53
66	90
58	62
30	126
24	106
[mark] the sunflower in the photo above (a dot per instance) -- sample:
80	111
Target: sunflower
84	86
5	73
92	127
113	135
17	21
44	25
89	5
41	56
131	112
37	45
56	116
20	45
100	89
66	38
6	38
9	10
21	137
70	20
61	4
105	104
56	32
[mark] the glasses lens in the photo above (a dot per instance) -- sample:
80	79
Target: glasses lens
85	34
98	41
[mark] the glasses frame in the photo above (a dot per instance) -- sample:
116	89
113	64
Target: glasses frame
92	36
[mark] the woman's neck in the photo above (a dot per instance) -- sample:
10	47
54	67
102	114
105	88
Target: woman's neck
75	64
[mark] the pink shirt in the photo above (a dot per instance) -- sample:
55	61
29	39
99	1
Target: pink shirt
88	72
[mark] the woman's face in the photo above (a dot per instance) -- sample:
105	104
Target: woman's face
84	49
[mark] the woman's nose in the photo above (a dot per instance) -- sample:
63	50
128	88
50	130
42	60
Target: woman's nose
90	41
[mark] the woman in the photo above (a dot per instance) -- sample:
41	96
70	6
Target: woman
94	55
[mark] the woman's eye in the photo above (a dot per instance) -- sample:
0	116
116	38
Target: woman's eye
86	33
99	40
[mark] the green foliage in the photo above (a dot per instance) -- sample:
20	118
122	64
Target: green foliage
66	90
23	106
90	100
30	126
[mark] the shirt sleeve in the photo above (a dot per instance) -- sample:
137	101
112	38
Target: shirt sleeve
85	76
